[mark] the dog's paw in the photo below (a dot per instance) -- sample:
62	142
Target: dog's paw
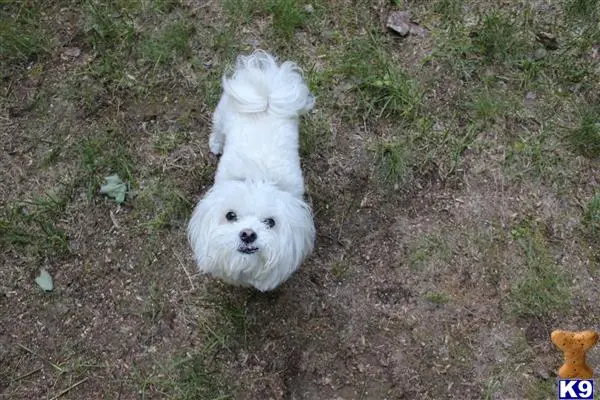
215	146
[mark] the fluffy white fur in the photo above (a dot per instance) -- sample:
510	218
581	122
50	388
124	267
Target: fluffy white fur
255	130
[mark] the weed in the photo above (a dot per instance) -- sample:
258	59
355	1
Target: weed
544	288
384	88
166	46
394	159
21	34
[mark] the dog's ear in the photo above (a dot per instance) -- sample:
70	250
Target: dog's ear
204	217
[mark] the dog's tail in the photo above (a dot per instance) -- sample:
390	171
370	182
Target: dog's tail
258	84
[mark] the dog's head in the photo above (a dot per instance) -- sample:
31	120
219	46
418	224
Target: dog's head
251	231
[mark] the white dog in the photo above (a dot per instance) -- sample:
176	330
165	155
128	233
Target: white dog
253	227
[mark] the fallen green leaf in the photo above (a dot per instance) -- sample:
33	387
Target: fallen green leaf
44	280
114	188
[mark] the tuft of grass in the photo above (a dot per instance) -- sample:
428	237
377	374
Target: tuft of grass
429	246
544	288
449	10
102	155
167	45
384	89
487	105
21	34
33	225
498	37
198	378
585	139
591	216
394	159
315	132
107	27
163	205
438	298
288	15
535	154
586	10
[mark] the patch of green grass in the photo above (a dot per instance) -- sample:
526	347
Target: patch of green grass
583	10
22	36
486	105
384	89
544	288
585	139
288	15
542	389
591	216
33	226
166	141
449	10
199	378
107	26
162	205
498	38
167	45
394	159
104	154
438	298
427	248
535	155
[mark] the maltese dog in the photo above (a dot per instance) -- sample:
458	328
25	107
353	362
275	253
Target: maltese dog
253	228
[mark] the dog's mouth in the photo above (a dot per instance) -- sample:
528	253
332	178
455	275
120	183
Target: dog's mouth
248	250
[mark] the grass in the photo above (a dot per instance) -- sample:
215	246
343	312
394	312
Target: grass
591	216
101	155
384	89
429	247
490	118
22	34
166	46
585	139
161	205
544	289
33	226
394	160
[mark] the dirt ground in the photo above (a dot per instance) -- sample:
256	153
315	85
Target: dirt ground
457	226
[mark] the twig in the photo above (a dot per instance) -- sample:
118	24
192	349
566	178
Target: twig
27	374
73	386
27	349
184	270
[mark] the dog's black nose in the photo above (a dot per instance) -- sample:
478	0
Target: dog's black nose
247	236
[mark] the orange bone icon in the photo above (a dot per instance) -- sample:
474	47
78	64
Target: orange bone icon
574	345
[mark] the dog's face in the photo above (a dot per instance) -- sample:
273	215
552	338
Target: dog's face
250	230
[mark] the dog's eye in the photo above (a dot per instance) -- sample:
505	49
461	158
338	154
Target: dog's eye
230	216
270	222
